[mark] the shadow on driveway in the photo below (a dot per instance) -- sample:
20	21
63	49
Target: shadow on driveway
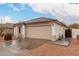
34	43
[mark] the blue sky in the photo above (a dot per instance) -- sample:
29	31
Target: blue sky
13	12
20	14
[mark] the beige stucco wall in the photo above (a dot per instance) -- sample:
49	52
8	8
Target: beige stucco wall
16	31
57	31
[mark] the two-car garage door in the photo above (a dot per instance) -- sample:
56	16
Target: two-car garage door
41	32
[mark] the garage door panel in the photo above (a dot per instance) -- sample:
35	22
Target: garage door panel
43	32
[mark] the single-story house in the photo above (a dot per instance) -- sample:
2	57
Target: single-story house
41	28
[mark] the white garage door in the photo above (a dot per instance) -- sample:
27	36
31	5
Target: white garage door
42	32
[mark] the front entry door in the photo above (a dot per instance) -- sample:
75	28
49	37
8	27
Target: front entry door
68	33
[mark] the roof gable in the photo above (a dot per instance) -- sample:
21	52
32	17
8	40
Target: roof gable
40	19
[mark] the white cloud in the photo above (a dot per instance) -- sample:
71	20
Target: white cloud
5	19
64	12
23	6
15	8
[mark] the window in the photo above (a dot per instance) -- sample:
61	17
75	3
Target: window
19	29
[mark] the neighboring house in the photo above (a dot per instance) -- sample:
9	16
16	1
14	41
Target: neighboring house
75	32
6	28
41	28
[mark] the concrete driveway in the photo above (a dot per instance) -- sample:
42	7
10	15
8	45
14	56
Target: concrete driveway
10	49
35	47
9	52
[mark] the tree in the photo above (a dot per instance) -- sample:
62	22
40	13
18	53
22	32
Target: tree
75	25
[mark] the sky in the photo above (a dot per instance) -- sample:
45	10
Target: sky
15	12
